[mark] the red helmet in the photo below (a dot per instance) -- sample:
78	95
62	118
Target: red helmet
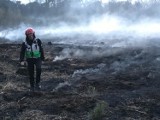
29	31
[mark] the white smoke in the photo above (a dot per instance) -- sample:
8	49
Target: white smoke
110	29
87	52
99	29
61	85
14	34
102	29
97	69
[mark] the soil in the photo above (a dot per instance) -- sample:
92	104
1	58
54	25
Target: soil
81	83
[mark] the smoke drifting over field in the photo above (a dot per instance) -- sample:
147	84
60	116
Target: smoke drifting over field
108	29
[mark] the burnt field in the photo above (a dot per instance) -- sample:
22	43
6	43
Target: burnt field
82	83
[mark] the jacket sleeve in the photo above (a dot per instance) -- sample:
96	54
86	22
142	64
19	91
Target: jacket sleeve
22	52
41	50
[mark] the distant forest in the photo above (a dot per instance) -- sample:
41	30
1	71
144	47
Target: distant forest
71	11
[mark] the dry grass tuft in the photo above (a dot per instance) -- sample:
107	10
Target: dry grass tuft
10	86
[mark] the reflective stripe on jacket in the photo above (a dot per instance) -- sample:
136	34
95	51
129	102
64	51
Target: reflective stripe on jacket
32	51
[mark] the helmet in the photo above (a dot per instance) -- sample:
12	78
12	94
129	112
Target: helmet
29	31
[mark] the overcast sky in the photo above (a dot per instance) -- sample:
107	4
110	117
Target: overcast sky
104	1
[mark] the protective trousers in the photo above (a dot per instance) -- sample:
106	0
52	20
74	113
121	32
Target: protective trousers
34	63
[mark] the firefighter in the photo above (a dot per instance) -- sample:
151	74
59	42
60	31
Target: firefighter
32	52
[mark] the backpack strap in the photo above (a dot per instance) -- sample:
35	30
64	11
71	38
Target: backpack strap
39	42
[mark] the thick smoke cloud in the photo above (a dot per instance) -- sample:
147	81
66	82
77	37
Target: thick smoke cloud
107	29
115	30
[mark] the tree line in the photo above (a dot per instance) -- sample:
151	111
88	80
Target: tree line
14	13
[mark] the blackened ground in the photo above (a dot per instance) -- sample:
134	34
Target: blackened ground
125	79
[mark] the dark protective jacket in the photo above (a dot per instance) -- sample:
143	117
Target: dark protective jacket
29	44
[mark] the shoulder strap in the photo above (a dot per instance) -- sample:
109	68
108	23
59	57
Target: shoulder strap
38	41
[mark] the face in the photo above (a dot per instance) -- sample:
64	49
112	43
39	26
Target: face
30	36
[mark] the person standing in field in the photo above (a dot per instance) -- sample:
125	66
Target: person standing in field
32	52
